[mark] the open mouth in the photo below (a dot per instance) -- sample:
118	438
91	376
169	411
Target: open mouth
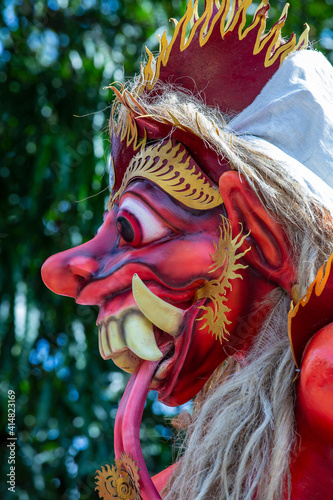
150	338
150	329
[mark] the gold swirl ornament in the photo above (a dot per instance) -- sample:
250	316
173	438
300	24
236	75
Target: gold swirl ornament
120	481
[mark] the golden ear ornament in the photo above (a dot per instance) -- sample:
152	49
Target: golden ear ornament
225	258
119	482
172	168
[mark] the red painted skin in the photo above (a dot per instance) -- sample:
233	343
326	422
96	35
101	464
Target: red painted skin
174	266
100	272
311	473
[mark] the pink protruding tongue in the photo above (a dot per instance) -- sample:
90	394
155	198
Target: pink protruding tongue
128	420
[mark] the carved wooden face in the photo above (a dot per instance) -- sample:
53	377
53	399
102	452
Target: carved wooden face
191	317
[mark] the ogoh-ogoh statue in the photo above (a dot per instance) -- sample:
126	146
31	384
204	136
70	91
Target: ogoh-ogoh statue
213	261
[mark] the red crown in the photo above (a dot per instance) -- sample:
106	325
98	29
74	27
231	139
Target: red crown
221	60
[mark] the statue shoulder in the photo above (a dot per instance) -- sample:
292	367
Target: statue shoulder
315	387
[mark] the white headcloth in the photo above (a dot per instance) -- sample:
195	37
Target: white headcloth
291	121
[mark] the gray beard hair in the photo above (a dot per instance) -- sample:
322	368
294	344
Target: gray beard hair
239	442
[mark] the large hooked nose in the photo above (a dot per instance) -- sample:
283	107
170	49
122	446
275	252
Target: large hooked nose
66	273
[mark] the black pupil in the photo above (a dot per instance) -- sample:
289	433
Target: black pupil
125	229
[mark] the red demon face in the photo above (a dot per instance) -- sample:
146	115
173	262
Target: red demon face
168	247
170	279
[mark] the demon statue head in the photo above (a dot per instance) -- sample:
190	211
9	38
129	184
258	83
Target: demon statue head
200	230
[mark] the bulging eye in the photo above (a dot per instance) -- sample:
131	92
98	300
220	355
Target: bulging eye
138	224
129	228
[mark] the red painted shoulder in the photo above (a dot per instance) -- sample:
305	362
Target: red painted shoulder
315	392
161	479
311	470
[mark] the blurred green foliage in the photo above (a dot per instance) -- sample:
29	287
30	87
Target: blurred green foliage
56	57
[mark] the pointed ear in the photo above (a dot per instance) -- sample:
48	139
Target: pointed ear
270	252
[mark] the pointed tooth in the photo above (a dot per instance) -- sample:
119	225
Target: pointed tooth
116	339
139	336
106	351
163	315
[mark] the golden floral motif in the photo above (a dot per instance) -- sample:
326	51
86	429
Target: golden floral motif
123	488
225	258
120	481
